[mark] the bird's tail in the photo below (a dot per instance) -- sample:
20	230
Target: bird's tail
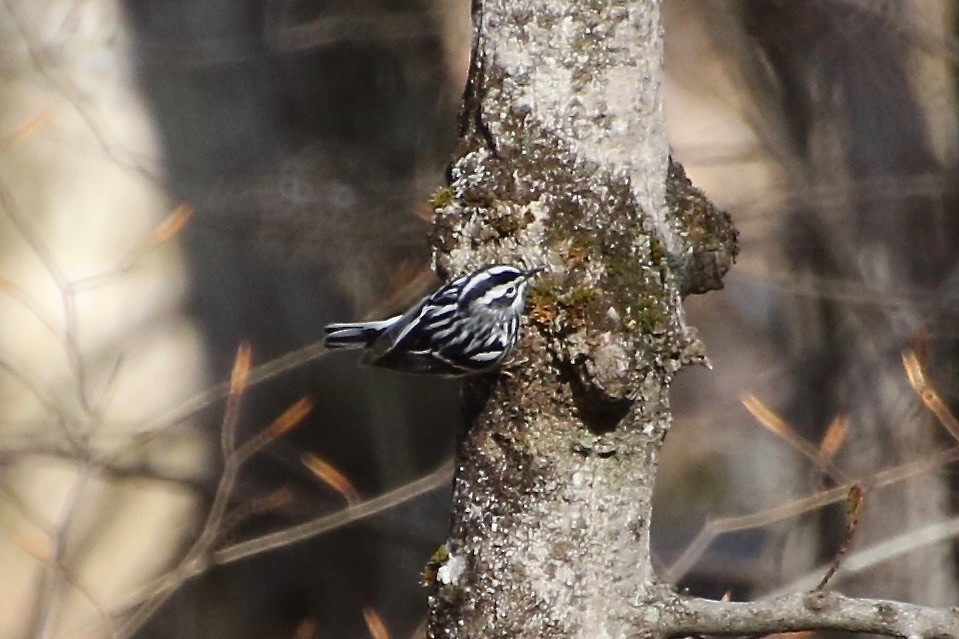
358	335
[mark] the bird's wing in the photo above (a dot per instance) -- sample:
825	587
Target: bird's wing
428	313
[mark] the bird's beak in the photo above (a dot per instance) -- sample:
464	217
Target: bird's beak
533	272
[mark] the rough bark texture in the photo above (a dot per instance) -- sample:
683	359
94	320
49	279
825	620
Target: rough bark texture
563	163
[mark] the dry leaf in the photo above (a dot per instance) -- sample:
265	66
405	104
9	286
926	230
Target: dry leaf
778	426
290	419
329	475
835	435
33	545
31	126
306	629
927	394
240	374
171	225
374	623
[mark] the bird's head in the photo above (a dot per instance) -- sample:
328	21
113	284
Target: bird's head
499	287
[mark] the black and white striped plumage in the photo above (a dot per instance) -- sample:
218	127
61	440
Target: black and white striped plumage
467	326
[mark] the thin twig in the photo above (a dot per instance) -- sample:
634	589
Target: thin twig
197	558
48	590
681	616
239	381
72	95
168	228
12	452
716	527
41	552
273	368
43	253
33	307
194	560
66	425
236	516
854	502
879	553
159	591
326	523
203	400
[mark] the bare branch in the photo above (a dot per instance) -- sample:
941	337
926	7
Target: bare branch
854	503
45	66
57	275
330	30
203	400
719	526
168	228
273	368
239	377
41	551
277	499
881	552
48	589
320	525
201	555
14	451
683	616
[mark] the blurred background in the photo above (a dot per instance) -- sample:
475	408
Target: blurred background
179	177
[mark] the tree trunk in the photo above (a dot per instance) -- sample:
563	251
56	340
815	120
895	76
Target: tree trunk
563	162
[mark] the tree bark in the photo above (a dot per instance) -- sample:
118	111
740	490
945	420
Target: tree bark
563	162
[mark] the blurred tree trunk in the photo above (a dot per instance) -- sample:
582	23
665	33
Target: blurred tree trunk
853	247
88	512
563	162
868	185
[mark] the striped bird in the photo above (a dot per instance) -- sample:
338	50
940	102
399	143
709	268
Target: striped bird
467	326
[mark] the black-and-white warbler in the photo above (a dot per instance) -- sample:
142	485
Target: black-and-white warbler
467	326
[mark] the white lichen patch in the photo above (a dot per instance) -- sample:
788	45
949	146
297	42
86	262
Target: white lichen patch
449	573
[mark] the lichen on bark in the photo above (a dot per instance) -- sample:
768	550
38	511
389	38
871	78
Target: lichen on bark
562	164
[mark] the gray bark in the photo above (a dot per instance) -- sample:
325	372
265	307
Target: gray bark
563	162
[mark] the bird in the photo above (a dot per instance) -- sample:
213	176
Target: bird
466	327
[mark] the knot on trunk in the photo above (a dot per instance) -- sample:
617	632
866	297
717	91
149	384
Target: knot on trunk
710	237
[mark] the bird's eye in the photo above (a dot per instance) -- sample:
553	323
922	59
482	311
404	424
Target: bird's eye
511	291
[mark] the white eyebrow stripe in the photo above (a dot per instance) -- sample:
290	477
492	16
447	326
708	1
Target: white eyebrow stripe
485	276
490	295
